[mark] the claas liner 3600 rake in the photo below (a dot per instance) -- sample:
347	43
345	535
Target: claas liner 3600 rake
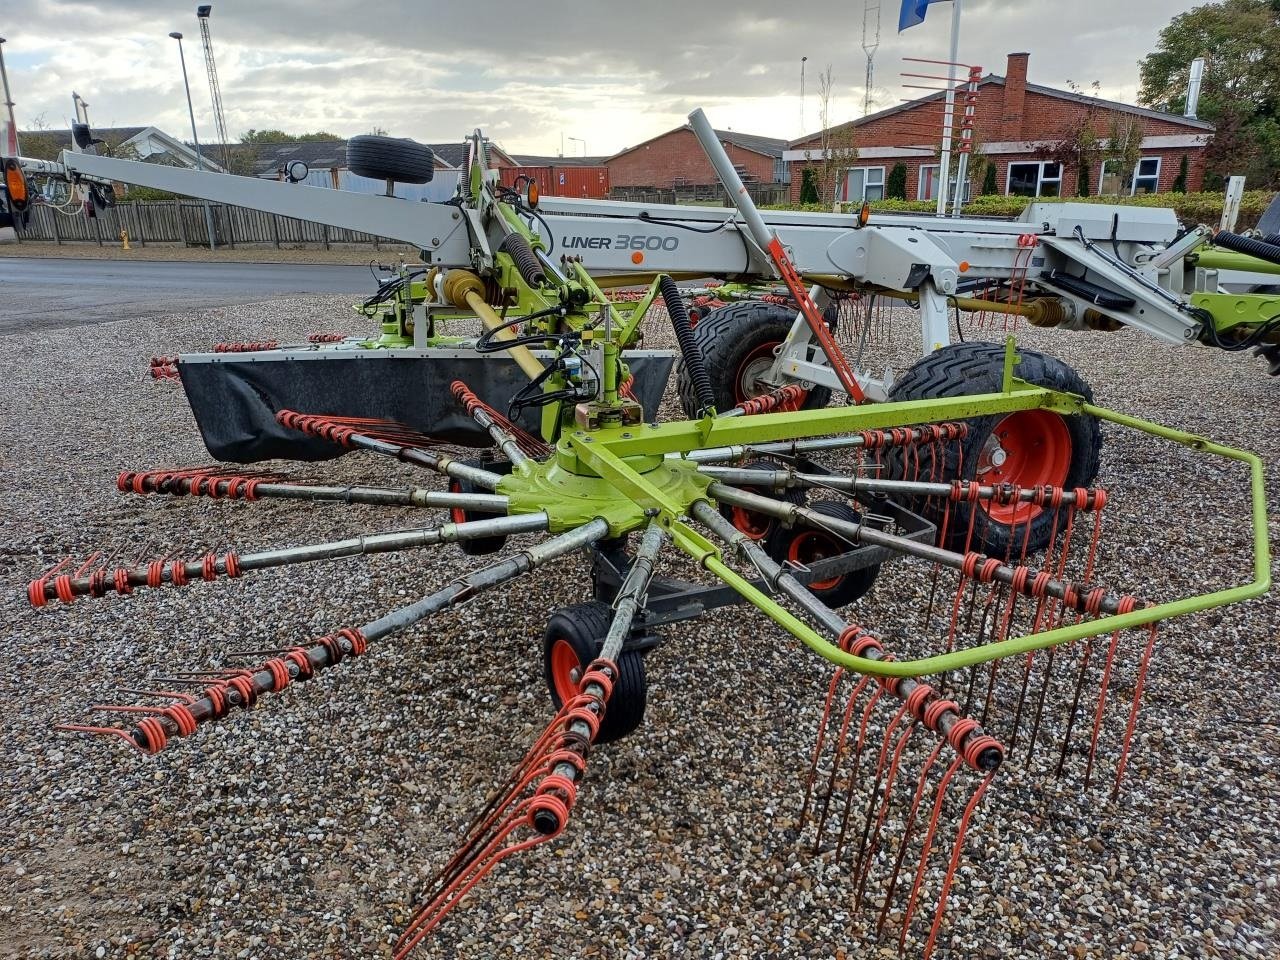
792	510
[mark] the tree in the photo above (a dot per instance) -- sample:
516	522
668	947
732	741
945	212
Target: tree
1077	144
1240	42
808	186
1123	148
980	166
896	188
1180	181
279	136
836	143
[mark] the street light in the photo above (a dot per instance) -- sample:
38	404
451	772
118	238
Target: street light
803	61
208	214
8	101
581	141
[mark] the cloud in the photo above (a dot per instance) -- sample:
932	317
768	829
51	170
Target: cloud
612	73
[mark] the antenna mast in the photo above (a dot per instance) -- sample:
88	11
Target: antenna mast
215	92
870	44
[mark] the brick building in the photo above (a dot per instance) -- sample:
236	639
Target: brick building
675	159
1016	124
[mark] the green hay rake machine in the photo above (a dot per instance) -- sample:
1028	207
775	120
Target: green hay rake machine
975	471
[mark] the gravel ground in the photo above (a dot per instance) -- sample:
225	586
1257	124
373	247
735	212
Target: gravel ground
307	827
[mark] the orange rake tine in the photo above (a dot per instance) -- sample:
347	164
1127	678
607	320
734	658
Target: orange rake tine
906	835
957	848
943	784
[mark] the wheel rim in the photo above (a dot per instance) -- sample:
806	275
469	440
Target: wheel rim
809	547
564	669
1027	449
754	366
456	514
754	525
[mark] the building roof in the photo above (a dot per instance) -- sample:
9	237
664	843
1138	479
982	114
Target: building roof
454	153
112	135
528	160
46	144
318	154
998	80
766	146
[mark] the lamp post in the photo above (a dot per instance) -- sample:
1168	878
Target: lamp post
803	60
208	214
8	102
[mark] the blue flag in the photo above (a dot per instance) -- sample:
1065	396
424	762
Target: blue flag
913	12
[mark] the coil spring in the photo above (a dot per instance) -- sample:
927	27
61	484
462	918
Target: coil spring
518	249
688	346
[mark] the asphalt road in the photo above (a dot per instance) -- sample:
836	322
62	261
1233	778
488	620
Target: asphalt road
50	293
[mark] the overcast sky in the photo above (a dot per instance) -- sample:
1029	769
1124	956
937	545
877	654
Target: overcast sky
610	72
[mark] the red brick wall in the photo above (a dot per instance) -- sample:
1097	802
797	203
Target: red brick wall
1170	162
1009	112
678	156
1045	118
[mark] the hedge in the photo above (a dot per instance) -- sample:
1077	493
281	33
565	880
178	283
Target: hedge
1191	207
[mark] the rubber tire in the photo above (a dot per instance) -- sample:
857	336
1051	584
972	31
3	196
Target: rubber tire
726	337
481	546
774	527
390	158
584	626
850	586
969	368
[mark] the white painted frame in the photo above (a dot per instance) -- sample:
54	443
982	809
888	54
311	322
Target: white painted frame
1040	177
1133	182
844	185
968	184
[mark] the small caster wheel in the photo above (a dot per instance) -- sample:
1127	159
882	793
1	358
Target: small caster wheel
761	527
481	546
808	545
573	639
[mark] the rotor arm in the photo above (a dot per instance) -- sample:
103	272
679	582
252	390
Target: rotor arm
433	227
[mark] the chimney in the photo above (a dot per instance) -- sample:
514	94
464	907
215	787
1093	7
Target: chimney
1193	87
1015	96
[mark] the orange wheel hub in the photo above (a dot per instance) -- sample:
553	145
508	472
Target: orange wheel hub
811	546
565	670
1027	449
754	366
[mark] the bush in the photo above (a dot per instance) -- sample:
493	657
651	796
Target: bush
989	187
1190	207
896	189
1180	181
808	187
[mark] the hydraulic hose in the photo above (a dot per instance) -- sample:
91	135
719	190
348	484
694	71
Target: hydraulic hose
517	247
688	348
1261	249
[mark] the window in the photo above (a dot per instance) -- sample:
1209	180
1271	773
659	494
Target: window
1041	178
863	183
1145	177
928	187
781	171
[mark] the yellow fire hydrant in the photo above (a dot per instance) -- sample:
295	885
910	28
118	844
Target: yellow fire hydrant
124	239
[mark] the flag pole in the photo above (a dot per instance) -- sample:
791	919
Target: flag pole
945	167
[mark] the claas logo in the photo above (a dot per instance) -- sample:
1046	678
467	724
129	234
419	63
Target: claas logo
17	194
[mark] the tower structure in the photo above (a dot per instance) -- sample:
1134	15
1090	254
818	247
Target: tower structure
870	44
215	92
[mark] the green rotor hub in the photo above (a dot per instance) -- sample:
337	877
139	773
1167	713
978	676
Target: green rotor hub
571	494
